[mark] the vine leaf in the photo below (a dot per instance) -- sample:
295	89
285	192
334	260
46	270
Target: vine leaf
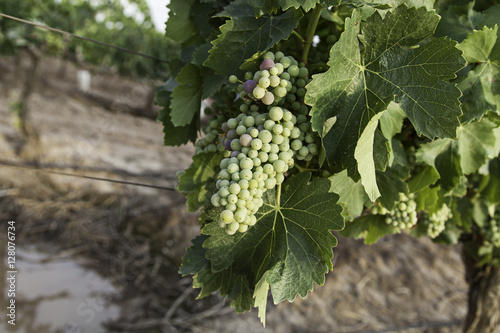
173	136
359	85
291	242
352	194
180	27
235	286
260	296
391	124
272	6
364	157
391	183
243	35
424	178
196	181
457	21
453	158
479	87
370	227
186	97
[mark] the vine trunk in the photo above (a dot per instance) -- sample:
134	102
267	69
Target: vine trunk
484	297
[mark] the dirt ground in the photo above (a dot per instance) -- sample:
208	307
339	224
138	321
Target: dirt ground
136	236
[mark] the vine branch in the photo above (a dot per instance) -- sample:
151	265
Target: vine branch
311	30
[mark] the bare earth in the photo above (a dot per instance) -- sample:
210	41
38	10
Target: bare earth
135	236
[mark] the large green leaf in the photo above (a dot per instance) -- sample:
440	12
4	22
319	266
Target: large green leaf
361	84
479	87
186	97
291	242
243	35
235	286
173	136
197	180
180	27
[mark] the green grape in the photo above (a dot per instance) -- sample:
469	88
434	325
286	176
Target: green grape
264	82
226	216
293	70
258	92
233	79
276	113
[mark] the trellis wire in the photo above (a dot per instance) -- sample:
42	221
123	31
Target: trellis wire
123	182
82	37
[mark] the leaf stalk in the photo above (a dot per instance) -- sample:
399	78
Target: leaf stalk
311	30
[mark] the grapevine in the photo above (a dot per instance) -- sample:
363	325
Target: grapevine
370	119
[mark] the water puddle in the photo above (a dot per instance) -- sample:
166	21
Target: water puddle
55	294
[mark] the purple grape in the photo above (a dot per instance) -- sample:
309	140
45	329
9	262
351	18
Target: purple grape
266	64
225	128
231	135
227	145
234	153
249	86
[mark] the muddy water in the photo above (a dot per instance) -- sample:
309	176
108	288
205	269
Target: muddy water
57	294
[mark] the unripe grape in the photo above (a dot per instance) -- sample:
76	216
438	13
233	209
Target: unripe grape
232	168
233	226
246	174
286	62
246	163
245	140
258	92
239	216
235	144
293	70
264	82
270	183
256	143
242	227
274	81
279	166
226	216
249	121
276	113
265	136
268	98
233	79
280	91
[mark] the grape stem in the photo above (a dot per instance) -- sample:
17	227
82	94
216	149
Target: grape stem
311	30
300	38
303	169
278	195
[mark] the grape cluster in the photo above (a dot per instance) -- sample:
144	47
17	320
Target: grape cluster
280	81
260	148
492	230
404	214
211	143
434	224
